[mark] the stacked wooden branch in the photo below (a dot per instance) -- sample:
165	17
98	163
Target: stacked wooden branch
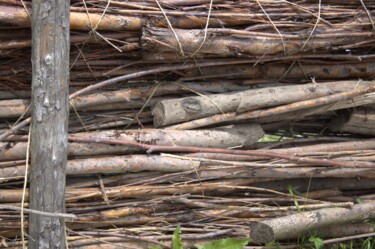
229	118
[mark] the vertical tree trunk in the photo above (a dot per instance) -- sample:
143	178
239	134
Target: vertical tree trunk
50	64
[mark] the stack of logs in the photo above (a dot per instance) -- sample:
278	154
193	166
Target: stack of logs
230	118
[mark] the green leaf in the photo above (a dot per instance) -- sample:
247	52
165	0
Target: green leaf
228	243
290	189
155	247
176	240
342	246
318	242
273	244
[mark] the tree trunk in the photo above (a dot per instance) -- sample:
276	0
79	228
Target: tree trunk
50	64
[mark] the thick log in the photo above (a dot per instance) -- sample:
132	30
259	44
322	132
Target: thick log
122	99
342	230
293	226
18	94
234	43
17	17
292	111
290	71
136	163
154	90
82	38
232	136
50	110
14	108
357	121
114	164
173	111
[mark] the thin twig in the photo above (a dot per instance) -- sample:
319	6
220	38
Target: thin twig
24	190
316	24
205	29
171	27
144	106
33	211
26	9
274	26
264	153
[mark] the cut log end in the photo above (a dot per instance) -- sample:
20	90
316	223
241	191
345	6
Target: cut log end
159	114
261	233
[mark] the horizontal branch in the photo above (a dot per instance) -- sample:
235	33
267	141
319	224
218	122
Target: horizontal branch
263	153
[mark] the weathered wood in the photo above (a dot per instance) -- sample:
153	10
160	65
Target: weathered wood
357	121
296	110
14	16
299	224
173	111
50	64
356	145
121	99
115	164
289	71
258	171
233	43
72	195
225	137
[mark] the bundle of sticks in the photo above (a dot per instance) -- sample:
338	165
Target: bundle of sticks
229	118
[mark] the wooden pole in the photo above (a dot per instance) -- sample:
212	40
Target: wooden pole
50	75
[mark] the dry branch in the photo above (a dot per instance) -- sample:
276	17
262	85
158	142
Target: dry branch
233	43
17	17
225	137
221	180
114	164
262	153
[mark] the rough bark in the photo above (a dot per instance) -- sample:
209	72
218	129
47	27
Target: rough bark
50	64
232	43
232	136
291	71
173	111
296	110
129	98
224	137
293	226
357	121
